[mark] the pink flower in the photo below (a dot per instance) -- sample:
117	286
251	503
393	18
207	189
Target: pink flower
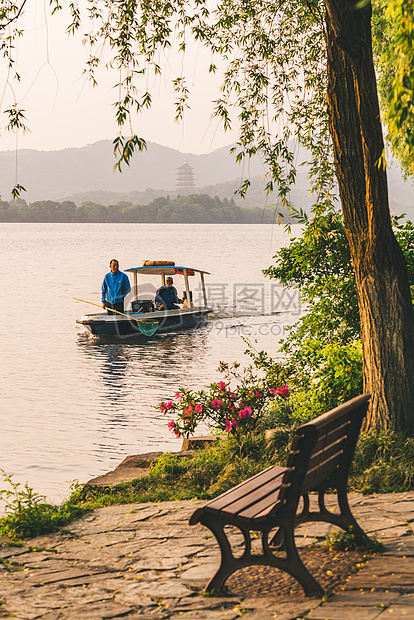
177	434
258	394
177	395
169	405
273	391
283	391
245	413
233	395
234	423
250	394
227	426
221	385
216	403
171	425
189	408
198	408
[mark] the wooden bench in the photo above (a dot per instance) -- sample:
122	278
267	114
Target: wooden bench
320	459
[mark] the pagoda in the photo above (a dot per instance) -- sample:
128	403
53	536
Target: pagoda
185	177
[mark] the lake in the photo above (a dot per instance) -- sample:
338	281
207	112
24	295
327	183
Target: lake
73	407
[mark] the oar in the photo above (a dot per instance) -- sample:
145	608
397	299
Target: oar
128	316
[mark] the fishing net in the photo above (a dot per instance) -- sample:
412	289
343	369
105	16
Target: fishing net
148	328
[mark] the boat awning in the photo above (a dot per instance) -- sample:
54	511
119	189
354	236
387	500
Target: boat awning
167	270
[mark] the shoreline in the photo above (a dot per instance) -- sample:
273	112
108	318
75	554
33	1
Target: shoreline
135	466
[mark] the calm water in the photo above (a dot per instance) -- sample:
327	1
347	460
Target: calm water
72	407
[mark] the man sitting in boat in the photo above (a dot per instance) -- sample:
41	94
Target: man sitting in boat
166	297
115	287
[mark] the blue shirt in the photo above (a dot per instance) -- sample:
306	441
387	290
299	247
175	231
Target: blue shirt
166	296
114	287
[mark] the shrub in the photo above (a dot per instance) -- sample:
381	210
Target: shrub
28	515
335	378
222	407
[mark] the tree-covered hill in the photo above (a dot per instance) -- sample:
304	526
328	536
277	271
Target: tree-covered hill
201	209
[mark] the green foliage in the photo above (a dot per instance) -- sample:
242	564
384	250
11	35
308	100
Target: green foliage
334	375
195	208
383	47
224	407
319	264
383	463
347	541
400	113
27	515
404	233
322	377
167	465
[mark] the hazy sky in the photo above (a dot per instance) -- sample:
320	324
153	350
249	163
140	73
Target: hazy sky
63	110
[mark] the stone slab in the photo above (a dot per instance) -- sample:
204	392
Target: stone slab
118	476
365	598
344	612
131	468
195	443
143	560
397	612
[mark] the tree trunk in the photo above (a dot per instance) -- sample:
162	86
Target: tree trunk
385	306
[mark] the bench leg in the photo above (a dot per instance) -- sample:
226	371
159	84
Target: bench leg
350	523
291	564
277	540
228	563
345	519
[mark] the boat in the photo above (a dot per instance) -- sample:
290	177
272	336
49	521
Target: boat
141	318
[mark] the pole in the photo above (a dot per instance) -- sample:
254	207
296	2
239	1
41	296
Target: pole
128	316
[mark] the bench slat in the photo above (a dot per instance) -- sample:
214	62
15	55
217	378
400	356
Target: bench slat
243	490
315	477
267	494
266	505
332	435
319	458
347	409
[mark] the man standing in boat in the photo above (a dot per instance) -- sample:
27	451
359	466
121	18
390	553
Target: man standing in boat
166	297
115	287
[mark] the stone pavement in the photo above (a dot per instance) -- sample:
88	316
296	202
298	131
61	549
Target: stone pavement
145	561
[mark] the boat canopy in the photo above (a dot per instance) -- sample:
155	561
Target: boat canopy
167	270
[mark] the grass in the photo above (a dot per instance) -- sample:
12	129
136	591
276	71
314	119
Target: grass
347	541
383	463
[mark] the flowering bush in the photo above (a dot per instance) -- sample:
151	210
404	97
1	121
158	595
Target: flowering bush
221	407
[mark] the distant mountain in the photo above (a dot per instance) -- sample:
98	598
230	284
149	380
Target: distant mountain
86	174
57	174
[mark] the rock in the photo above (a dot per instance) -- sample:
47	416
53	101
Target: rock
140	460
195	443
137	465
131	468
118	476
